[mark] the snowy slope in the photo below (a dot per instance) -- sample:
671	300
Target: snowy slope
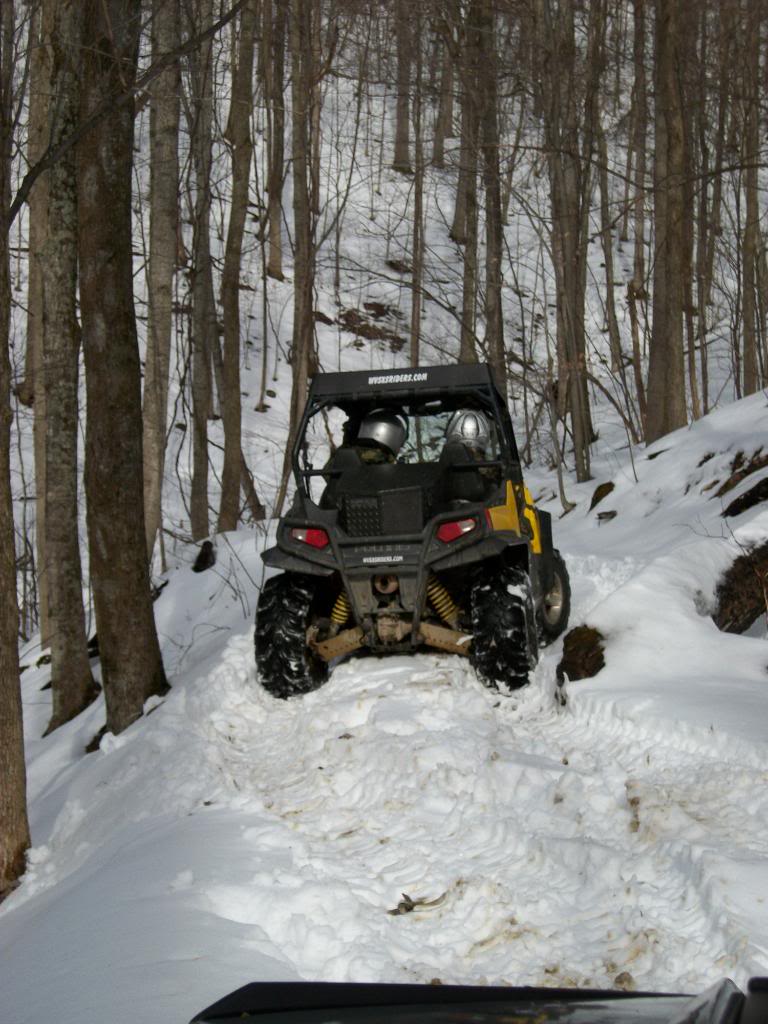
619	840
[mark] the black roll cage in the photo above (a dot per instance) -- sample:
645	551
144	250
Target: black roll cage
482	394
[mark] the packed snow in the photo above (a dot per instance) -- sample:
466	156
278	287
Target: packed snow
403	823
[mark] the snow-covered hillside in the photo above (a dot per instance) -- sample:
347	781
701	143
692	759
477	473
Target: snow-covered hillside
403	823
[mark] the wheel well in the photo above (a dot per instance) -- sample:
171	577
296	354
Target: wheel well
516	556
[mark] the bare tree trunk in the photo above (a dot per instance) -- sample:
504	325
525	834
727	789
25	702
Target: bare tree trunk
466	185
163	226
564	91
636	290
272	68
751	159
640	107
666	372
444	122
36	127
617	364
689	28
726	34
402	159
38	209
464	229
14	827
130	654
238	134
468	202
72	684
316	106
205	338
418	207
703	225
487	69
302	342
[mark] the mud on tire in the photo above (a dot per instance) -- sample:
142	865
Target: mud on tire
286	665
555	609
504	644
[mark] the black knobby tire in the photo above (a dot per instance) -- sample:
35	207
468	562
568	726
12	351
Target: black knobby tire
286	665
555	608
504	642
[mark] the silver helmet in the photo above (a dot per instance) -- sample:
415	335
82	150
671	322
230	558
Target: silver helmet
469	427
384	427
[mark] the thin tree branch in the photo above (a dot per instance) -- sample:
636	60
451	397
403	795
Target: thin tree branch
110	104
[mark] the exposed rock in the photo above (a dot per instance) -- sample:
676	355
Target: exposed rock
583	654
601	491
95	743
206	557
749	499
742	593
742	467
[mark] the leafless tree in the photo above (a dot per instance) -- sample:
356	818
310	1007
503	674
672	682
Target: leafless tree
163	228
72	683
274	15
238	135
205	338
403	32
14	826
666	371
128	646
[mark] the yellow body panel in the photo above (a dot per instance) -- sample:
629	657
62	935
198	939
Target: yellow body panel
533	519
505	517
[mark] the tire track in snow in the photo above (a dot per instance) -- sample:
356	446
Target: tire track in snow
560	852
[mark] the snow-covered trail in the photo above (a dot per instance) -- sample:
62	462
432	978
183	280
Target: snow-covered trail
618	840
553	850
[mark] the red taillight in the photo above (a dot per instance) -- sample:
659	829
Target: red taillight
312	535
449	532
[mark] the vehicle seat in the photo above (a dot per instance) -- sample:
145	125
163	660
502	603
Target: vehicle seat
344	460
461	484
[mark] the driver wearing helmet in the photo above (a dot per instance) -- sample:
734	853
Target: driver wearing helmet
380	436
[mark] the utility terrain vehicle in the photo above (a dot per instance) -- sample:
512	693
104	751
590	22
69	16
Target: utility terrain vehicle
411	528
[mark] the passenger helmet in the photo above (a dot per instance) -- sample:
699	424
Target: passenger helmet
384	427
469	427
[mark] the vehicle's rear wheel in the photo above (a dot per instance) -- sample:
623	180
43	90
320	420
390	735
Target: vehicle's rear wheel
286	665
504	642
555	606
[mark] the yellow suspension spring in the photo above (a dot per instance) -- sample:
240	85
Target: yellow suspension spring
442	600
341	609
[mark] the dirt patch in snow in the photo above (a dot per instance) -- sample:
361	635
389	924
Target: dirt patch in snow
367	324
583	654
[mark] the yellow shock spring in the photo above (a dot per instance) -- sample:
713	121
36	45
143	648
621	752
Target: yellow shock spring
341	609
442	600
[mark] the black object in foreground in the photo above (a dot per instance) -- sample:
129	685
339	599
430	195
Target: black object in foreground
327	1003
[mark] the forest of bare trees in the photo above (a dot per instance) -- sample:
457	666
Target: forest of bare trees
198	196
